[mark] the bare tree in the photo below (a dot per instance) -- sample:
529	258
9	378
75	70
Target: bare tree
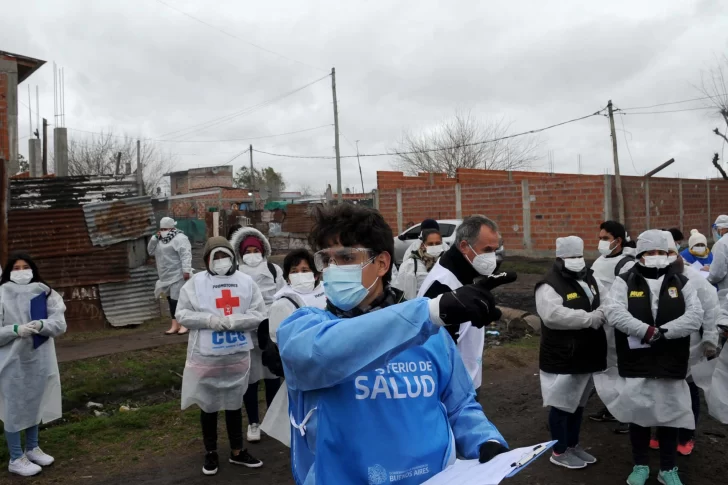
109	154
714	86
465	142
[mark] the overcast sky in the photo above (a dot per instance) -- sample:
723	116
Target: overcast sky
144	69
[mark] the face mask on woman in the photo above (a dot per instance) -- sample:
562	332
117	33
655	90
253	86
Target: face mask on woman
435	251
21	276
574	264
659	261
302	282
252	259
221	267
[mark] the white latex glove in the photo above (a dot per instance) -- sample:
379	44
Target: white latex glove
219	324
36	325
598	319
26	330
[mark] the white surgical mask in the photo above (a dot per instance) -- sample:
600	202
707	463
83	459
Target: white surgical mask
656	262
605	248
574	264
484	263
253	259
21	276
221	267
671	259
435	250
164	233
302	282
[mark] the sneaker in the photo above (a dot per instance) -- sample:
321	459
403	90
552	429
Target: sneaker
581	453
211	463
639	476
669	477
686	448
246	459
254	432
654	444
37	456
622	428
24	467
568	460
603	416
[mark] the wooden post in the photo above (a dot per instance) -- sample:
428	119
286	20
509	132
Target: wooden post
617	177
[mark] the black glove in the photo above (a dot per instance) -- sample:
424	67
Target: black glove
471	303
490	449
495	280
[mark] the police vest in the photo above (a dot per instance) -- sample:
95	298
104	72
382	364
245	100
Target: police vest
581	351
666	358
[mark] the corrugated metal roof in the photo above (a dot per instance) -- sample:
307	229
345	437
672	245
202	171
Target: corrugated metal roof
101	266
120	220
66	192
131	302
49	233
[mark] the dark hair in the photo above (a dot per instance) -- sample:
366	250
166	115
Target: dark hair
295	257
616	229
349	225
427	233
14	258
233	229
677	234
630	244
430	224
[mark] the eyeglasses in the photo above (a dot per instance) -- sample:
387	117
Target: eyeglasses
343	257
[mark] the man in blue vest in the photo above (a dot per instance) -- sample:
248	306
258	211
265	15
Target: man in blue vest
378	392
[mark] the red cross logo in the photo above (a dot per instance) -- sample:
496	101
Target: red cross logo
227	302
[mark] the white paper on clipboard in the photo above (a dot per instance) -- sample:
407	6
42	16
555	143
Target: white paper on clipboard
471	472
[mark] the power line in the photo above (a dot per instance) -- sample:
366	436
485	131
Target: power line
667	104
238	38
250	109
624	133
530	132
618	111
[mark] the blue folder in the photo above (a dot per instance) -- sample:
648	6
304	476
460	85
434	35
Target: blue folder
39	311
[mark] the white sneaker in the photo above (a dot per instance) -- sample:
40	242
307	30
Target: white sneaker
37	456
23	467
254	432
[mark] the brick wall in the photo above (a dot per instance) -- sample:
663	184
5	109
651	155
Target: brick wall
197	179
560	204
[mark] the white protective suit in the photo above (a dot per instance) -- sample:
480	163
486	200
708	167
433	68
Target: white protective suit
30	385
712	376
604	269
217	380
711	307
276	422
173	260
719	267
642	401
268	284
412	273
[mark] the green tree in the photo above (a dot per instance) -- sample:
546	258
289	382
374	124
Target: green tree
265	177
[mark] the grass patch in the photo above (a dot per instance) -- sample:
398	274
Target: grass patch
525	266
121	375
112	331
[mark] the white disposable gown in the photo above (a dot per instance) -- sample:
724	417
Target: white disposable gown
648	402
30	385
566	392
173	260
412	273
604	268
276	422
217	382
711	308
719	267
268	284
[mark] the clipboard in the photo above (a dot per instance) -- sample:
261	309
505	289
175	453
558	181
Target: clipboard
39	311
530	456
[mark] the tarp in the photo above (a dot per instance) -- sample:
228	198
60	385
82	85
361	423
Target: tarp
274	205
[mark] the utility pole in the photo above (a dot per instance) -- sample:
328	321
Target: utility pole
336	137
140	169
252	173
45	146
617	178
357	161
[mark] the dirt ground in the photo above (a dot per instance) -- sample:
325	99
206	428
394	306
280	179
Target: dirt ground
511	399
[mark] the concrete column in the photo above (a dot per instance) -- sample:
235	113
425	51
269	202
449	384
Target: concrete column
680	193
400	223
458	202
10	70
35	158
710	218
60	151
526	215
647	203
607	211
376	199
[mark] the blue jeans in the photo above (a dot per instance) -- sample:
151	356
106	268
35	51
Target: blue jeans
14	445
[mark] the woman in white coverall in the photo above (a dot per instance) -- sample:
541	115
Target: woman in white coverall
173	253
30	386
573	347
221	306
252	251
417	264
303	289
652	310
